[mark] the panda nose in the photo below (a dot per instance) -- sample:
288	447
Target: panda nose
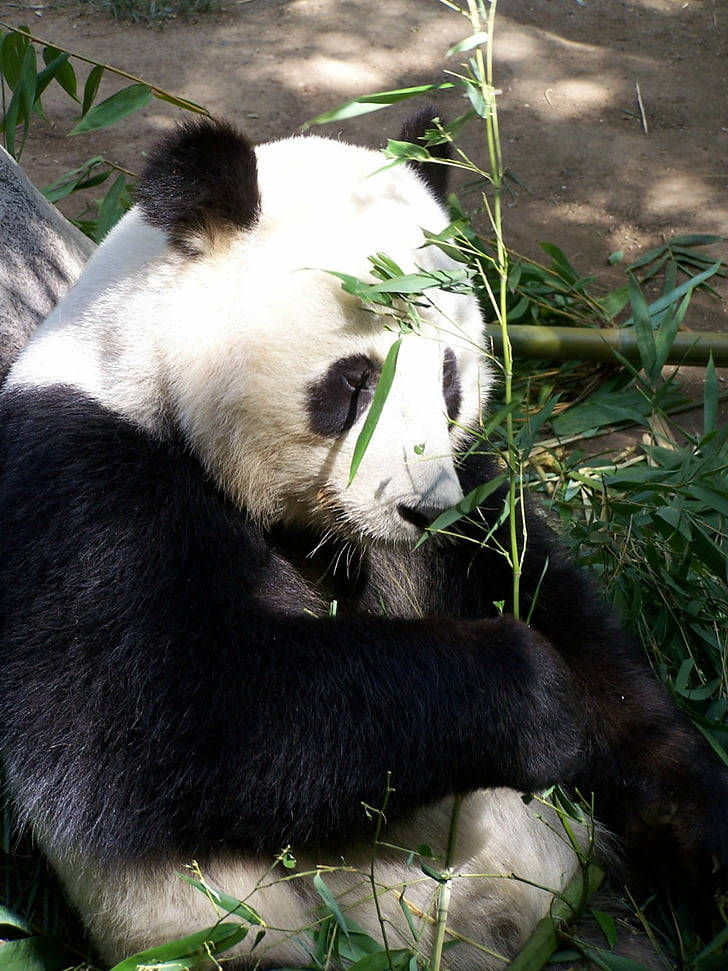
420	516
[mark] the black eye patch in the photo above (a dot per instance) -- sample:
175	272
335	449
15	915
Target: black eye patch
451	384
341	395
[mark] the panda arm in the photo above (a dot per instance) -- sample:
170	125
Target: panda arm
654	778
157	700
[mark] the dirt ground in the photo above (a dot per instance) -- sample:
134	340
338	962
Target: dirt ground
592	180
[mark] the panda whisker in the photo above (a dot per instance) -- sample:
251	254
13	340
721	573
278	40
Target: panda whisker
327	536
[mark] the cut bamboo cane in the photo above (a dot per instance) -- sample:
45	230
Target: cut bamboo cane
592	344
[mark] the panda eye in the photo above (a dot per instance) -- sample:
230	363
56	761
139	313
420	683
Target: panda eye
337	399
358	381
451	384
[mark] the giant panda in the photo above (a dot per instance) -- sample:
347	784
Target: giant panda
215	647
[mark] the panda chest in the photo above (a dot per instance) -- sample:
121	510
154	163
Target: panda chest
340	579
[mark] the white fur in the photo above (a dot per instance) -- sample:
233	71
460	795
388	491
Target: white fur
505	851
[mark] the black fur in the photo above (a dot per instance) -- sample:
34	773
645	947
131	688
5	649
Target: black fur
434	174
167	691
200	180
341	395
187	712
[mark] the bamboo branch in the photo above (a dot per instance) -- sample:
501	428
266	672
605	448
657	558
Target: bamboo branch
593	344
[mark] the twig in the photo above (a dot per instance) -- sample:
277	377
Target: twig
643	116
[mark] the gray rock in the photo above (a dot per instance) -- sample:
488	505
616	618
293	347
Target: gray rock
41	257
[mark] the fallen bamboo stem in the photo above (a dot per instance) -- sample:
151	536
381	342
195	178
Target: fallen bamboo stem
592	344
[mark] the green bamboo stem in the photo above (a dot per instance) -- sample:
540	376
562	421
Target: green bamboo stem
592	344
443	898
485	76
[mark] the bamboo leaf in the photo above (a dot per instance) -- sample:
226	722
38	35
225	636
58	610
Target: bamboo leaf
91	87
475	40
373	102
712	499
606	922
695	239
466	506
111	209
405	284
12	53
709	553
34	954
643	327
21	104
375	410
662	303
10	919
330	901
10	122
545	938
49	72
406	150
647	257
188	951
80	178
559	263
475	96
113	109
665	336
432	872
383	960
615	300
65	75
231	905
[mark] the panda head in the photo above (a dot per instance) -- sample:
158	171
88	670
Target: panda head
210	309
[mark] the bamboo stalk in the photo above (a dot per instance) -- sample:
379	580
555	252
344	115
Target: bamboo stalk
592	344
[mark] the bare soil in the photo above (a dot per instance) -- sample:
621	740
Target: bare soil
592	180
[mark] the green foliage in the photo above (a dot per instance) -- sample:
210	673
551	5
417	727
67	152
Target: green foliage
22	85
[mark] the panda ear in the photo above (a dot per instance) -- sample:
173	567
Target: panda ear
200	182
414	129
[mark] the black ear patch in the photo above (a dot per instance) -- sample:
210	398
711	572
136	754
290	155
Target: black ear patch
436	176
200	181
